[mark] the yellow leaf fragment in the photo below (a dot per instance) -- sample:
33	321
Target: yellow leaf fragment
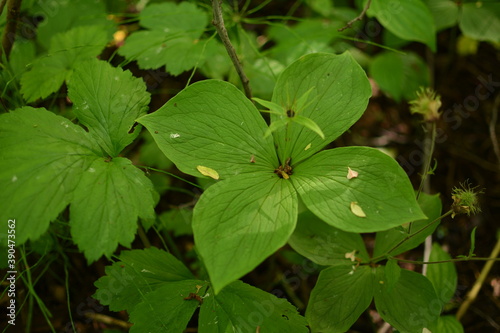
351	255
307	147
205	171
351	173
357	210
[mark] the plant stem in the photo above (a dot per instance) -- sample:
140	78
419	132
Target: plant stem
143	237
430	143
472	294
357	18
9	34
409	237
218	22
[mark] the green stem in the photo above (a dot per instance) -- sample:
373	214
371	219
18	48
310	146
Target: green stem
144	237
381	257
429	151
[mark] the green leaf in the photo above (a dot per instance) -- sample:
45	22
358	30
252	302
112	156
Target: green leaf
172	39
481	21
120	194
107	101
137	273
472	242
448	324
166	309
443	276
240	221
324	244
409	19
178	220
243	308
308	123
211	123
444	13
386	240
399	75
340	296
339	98
61	16
273	107
392	274
151	155
381	189
410	305
67	49
42	157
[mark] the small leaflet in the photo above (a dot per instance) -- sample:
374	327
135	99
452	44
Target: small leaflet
351	173
357	210
205	171
307	147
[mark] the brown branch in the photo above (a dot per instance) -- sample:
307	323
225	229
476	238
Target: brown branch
357	18
218	22
9	34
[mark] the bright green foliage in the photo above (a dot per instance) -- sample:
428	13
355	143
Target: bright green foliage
42	157
61	16
244	308
409	305
66	50
409	19
324	187
339	96
107	101
481	20
399	75
324	244
340	296
161	295
387	240
392	274
448	324
120	194
172	38
242	221
49	162
443	276
444	12
223	138
248	215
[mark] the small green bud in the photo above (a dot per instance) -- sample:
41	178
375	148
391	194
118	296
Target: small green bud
427	104
465	200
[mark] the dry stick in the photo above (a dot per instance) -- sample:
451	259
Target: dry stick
9	34
472	294
218	22
357	18
107	320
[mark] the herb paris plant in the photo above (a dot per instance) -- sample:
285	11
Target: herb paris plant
252	210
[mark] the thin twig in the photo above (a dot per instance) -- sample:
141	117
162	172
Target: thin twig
9	34
357	18
472	294
218	22
107	320
493	123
